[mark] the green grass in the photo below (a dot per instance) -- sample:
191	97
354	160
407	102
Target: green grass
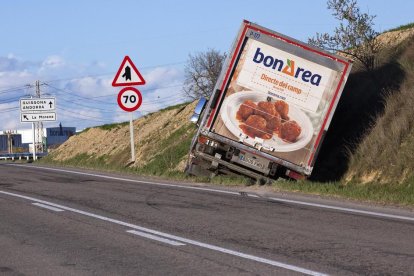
178	106
401	28
112	126
225	180
83	161
399	194
171	151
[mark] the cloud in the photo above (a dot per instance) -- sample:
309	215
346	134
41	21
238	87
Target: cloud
12	63
122	117
165	89
15	79
90	86
9	116
82	101
162	76
53	62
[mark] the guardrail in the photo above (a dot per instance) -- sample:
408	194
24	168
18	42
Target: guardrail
20	156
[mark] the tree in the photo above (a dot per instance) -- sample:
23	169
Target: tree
354	36
201	73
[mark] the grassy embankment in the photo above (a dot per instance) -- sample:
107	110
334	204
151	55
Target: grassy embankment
161	155
368	151
366	155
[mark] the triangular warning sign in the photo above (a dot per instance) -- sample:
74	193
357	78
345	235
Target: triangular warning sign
128	74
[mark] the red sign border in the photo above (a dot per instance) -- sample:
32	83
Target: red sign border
132	108
126	58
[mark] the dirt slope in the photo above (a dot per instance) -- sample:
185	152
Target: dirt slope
395	37
370	139
112	146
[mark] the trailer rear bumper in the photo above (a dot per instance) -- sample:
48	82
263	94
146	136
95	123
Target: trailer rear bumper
207	165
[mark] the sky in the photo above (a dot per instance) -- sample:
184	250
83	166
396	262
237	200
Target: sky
74	48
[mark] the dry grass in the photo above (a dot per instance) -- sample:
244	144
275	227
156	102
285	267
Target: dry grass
113	141
385	154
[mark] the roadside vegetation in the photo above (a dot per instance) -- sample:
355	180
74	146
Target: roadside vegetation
396	194
386	151
402	27
162	142
367	153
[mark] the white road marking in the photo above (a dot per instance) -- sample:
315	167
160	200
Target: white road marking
324	206
154	237
176	238
348	210
131	180
48	207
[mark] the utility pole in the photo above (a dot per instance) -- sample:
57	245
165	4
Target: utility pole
9	141
39	125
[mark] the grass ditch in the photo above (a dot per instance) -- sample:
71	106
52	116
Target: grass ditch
373	192
171	151
400	194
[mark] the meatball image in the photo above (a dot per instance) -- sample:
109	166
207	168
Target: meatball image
274	123
256	121
255	126
267	119
290	131
266	109
283	109
246	109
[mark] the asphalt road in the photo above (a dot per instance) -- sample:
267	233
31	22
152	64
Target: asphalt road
54	222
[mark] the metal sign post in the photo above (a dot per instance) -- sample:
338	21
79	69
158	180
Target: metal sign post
34	141
131	131
129	98
37	110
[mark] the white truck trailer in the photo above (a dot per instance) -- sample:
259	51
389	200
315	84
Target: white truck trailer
271	107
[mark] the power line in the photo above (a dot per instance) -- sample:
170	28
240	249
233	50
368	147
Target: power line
84	119
91	107
13	89
79	114
163	101
9	109
16	88
113	73
114	94
10	100
66	91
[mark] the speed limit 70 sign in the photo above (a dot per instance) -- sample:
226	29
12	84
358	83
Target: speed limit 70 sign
129	99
